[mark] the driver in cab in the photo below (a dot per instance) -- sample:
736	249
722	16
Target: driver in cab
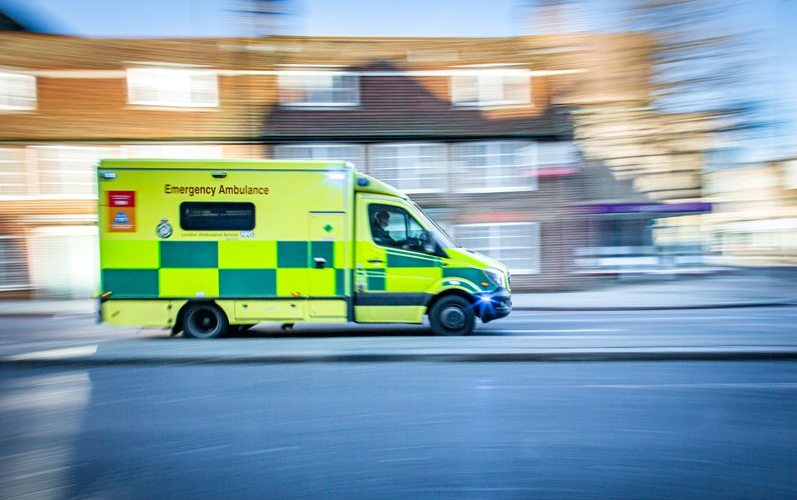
381	236
379	231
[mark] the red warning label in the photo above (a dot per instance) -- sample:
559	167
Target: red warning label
121	211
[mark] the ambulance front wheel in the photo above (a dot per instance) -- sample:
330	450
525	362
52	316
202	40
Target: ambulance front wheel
204	321
452	315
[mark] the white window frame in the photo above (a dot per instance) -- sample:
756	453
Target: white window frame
7	263
35	158
358	162
25	173
486	80
144	76
494	228
284	82
443	169
455	161
28	84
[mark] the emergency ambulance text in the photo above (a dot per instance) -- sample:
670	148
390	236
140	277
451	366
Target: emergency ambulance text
215	190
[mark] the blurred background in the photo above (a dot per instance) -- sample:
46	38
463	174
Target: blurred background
580	142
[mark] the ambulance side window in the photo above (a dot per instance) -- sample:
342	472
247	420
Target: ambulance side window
394	227
217	216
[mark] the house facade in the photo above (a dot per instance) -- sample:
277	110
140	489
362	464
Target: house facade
480	132
755	219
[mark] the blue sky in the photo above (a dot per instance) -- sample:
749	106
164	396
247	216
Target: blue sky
769	22
143	18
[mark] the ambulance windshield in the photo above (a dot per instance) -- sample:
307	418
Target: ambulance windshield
439	234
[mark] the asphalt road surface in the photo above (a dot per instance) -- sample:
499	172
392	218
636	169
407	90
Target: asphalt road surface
667	429
743	327
401	430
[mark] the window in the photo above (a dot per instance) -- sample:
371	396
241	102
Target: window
217	216
319	88
557	154
17	91
172	87
790	174
13	271
412	168
354	153
516	244
13	172
494	166
63	260
69	171
490	88
625	232
392	226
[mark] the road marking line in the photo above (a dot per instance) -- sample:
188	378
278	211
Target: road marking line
699	385
267	450
403	460
574	330
72	315
201	449
53	354
717	385
602	319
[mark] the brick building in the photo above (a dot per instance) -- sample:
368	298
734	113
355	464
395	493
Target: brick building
479	132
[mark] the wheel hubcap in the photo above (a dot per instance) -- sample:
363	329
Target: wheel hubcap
453	318
205	322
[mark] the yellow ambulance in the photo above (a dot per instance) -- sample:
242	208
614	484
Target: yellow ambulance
205	247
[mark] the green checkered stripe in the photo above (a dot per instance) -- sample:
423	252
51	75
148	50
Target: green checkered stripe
251	269
401	268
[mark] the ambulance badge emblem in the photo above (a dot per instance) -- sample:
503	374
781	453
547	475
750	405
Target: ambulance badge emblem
164	229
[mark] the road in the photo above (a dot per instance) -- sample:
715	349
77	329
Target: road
741	327
403	430
665	429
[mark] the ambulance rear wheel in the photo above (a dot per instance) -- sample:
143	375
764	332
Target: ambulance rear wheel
452	315
204	321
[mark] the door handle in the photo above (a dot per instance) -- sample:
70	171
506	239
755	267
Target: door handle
376	261
320	262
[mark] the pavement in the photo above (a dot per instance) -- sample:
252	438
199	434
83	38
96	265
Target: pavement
744	288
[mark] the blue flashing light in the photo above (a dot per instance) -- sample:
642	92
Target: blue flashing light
362	181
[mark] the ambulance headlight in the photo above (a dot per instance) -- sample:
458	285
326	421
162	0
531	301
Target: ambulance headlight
497	276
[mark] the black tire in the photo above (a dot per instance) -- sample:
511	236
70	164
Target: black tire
452	315
204	321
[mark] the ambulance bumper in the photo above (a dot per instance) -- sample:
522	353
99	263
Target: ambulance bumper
494	305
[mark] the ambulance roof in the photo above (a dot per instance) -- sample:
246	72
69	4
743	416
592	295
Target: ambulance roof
238	164
363	183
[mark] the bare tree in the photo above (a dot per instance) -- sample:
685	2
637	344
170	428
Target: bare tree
263	17
703	60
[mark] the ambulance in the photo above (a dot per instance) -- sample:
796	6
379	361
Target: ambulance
207	247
